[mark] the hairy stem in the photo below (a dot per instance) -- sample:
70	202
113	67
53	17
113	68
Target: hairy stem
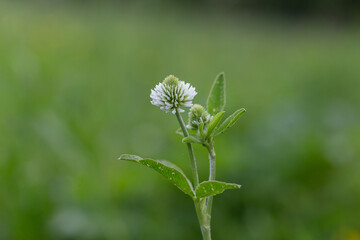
204	218
190	150
212	175
200	204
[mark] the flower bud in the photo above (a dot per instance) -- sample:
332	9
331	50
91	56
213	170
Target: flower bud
171	80
197	115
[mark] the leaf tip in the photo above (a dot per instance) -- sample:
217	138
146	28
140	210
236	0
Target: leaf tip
129	157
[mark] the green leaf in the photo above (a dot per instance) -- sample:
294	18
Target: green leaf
216	99
191	139
210	188
165	168
213	123
201	129
230	121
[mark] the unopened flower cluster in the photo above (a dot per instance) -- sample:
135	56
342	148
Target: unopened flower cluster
197	115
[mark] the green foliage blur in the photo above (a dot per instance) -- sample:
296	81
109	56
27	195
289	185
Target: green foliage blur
75	82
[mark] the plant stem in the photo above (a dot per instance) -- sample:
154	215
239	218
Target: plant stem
200	204
212	159
204	218
190	150
212	175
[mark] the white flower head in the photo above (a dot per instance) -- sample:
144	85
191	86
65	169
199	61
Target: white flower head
172	94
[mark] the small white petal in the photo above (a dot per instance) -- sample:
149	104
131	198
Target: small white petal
172	97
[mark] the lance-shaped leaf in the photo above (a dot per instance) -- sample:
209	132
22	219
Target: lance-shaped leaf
216	99
213	123
210	188
201	129
165	168
230	121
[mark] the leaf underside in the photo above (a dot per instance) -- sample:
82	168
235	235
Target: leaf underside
216	99
165	168
211	188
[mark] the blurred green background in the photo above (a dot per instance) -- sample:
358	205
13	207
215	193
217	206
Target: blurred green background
75	80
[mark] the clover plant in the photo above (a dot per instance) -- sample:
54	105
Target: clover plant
203	126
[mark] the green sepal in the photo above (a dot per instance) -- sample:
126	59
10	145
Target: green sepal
165	168
216	98
211	188
213	123
179	131
191	139
230	121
